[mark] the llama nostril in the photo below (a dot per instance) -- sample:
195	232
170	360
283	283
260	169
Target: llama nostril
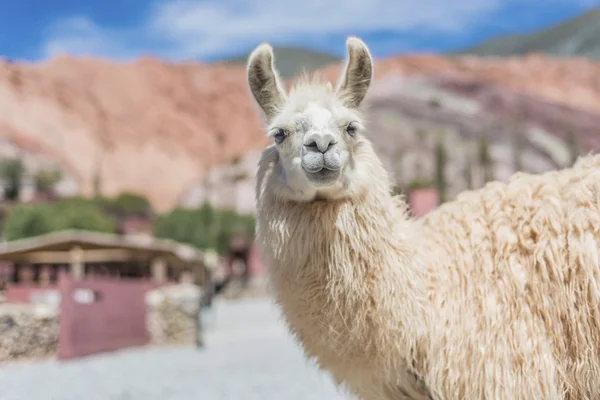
312	145
322	146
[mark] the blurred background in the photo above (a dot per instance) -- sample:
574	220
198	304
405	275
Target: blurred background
128	150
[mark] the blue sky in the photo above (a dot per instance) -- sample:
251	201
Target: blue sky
206	30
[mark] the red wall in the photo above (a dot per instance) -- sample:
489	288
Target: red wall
115	319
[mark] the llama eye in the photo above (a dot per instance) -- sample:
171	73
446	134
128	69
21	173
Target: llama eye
351	129
279	136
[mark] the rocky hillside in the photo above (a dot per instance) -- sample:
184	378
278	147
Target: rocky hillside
412	117
292	60
145	126
576	37
157	128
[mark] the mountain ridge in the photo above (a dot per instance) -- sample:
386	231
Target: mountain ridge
577	36
291	60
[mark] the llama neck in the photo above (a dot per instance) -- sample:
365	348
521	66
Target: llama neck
343	273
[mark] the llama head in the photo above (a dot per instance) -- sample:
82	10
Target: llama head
318	131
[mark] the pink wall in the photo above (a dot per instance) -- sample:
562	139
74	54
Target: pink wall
25	293
255	264
114	319
421	201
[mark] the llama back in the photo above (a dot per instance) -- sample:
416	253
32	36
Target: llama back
515	278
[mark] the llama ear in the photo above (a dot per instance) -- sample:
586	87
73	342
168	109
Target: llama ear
264	80
355	81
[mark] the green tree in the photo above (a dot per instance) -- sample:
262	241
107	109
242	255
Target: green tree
204	227
485	159
45	180
12	171
27	220
192	226
126	204
420	183
441	161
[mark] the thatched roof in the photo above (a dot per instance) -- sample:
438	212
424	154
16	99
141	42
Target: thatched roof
142	246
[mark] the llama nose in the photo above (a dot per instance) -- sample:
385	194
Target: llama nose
319	141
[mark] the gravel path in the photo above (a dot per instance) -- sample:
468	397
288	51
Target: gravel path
248	356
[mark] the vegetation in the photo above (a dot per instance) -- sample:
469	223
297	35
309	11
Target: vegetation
485	159
46	180
421	183
574	147
95	214
97	184
441	161
126	204
11	171
28	220
204	227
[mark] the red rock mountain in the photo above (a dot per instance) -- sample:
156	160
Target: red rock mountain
155	128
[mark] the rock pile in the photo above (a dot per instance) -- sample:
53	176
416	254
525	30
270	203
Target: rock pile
172	314
27	331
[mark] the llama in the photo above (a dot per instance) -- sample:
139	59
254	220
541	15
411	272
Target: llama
495	295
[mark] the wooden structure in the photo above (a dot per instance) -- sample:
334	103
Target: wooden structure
38	260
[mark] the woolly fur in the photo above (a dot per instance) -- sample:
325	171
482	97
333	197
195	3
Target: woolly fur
495	295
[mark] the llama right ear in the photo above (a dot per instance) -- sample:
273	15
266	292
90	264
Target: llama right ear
355	81
264	80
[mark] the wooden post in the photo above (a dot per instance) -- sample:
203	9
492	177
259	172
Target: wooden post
159	270
77	266
15	272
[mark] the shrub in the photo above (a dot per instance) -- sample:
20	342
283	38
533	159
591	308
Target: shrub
441	161
204	227
12	171
45	180
421	183
485	159
38	219
126	204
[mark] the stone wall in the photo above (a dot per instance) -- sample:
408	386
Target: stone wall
27	331
172	314
30	331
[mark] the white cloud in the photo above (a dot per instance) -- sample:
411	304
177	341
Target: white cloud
82	37
180	29
197	28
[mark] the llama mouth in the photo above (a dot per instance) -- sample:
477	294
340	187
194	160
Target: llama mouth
323	177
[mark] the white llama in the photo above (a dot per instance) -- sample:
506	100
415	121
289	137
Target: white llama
495	295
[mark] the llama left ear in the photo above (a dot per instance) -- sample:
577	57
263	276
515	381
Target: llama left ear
355	81
264	80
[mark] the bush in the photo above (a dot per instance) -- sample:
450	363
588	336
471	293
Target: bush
485	159
421	183
38	219
204	227
441	161
126	204
45	180
12	171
